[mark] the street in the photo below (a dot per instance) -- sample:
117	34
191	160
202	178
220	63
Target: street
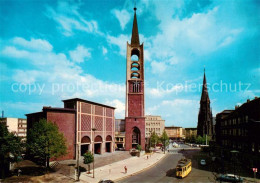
164	171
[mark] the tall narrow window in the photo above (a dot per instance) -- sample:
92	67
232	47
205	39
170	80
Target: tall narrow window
136	87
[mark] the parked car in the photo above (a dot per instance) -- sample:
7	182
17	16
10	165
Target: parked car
229	178
203	162
106	181
175	144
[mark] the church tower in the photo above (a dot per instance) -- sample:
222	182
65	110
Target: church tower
134	111
205	121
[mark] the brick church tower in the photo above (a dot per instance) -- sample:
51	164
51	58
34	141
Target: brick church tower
205	121
134	112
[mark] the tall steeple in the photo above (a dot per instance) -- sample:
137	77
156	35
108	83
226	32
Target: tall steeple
134	107
135	35
204	94
205	121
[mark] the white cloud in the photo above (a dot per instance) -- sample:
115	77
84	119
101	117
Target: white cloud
34	44
69	19
177	102
152	110
120	41
120	107
60	75
80	54
178	110
158	67
104	50
14	52
183	38
26	77
164	89
123	17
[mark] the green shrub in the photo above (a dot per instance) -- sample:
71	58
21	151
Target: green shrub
139	147
88	158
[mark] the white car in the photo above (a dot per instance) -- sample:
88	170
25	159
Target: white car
175	144
203	162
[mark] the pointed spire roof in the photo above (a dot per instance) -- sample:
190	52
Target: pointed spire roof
204	94
135	35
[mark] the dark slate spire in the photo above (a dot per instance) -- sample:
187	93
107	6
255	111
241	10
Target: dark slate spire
135	35
204	94
205	122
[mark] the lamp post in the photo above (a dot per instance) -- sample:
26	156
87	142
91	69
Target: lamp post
93	129
78	164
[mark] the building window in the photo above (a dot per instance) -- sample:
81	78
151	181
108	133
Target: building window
246	119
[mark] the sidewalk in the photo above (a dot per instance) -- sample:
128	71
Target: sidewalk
115	171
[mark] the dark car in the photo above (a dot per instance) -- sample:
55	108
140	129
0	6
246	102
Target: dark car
229	178
106	181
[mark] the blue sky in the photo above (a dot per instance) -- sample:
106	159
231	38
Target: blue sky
54	50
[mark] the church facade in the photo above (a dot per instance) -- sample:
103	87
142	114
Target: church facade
135	113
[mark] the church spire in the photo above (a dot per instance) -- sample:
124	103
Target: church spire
204	94
135	35
205	121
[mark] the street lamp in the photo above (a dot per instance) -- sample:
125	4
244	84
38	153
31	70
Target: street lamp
78	164
93	129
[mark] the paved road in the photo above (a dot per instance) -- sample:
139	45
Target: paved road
164	171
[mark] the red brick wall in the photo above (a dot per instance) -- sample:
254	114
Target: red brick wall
130	124
32	118
66	124
135	105
99	123
109	126
85	122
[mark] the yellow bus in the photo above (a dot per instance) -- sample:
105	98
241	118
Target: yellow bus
183	168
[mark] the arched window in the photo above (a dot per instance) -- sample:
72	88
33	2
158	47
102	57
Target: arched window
135	55
98	138
135	75
136	136
85	139
108	138
135	66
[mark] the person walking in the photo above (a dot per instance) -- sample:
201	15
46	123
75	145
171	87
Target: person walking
19	172
125	169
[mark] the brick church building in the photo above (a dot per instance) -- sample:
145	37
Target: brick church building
134	113
86	125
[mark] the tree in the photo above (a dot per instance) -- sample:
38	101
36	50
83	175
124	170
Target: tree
199	140
139	147
88	158
44	142
11	148
164	139
202	140
154	139
193	139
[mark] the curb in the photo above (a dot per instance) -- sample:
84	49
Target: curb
116	180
